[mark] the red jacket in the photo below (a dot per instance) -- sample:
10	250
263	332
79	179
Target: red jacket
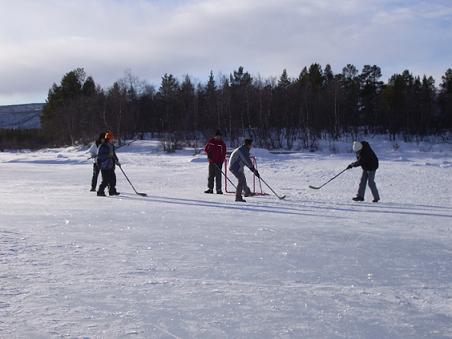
216	150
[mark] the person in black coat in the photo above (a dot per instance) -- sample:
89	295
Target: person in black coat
368	160
107	160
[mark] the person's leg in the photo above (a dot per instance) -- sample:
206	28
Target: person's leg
210	178
218	177
362	185
372	185
240	185
112	185
104	183
246	189
95	176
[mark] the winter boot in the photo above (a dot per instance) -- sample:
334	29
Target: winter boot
209	191
358	198
376	200
114	192
93	189
101	194
250	194
240	199
220	192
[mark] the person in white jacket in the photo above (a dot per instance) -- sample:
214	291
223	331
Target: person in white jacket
93	152
240	158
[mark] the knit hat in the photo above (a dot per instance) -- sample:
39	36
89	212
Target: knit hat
109	135
357	146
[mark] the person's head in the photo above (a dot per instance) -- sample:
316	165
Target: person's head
109	136
218	135
100	139
248	143
357	146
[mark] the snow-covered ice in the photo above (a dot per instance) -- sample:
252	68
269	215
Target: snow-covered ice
183	264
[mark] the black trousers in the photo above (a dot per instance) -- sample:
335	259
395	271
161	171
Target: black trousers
214	175
108	179
96	171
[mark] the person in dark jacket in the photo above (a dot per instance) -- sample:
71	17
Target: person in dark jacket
240	158
216	153
367	159
93	152
107	160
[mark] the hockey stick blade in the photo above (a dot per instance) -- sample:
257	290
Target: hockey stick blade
318	187
282	197
142	194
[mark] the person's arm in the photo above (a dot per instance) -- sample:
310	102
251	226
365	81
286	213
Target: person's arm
93	150
208	150
224	151
247	161
115	157
357	163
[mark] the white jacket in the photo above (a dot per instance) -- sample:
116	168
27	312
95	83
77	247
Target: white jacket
93	152
240	158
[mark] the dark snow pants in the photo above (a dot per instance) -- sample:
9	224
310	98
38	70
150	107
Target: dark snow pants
108	179
96	171
368	177
214	174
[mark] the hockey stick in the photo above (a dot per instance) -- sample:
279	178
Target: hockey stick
271	189
319	187
142	194
226	176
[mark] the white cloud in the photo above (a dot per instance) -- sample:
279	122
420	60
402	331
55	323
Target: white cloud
42	40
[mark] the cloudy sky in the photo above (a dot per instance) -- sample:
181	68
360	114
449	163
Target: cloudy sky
40	40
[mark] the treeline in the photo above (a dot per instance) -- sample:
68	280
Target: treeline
22	138
277	112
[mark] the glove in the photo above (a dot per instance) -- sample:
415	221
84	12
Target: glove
118	163
256	173
349	166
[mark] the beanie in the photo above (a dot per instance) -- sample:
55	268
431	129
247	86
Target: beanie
248	142
109	135
357	146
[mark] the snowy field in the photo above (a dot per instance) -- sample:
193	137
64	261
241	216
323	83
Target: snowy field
183	264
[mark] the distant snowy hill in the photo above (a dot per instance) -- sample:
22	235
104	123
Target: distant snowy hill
21	116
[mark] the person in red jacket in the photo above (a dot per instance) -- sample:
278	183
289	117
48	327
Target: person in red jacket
216	153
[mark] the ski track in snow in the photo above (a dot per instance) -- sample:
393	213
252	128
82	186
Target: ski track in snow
183	264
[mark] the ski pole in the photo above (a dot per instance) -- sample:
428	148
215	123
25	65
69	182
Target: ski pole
271	189
318	187
226	176
142	194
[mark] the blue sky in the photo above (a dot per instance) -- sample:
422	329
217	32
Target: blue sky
42	40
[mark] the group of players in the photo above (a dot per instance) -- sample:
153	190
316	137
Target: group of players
105	159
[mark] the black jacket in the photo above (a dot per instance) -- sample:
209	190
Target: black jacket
367	158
